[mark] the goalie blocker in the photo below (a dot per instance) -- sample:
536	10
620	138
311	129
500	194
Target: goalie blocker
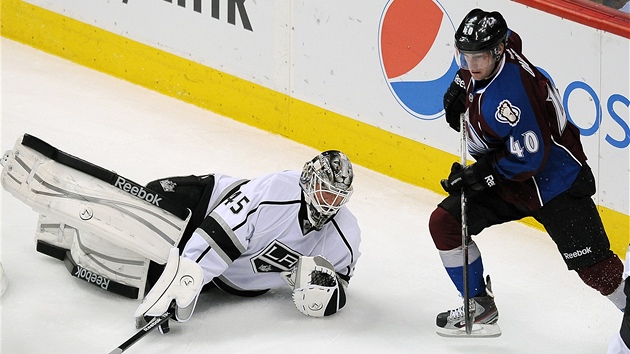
107	228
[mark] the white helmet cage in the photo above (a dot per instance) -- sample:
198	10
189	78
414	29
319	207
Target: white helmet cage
327	184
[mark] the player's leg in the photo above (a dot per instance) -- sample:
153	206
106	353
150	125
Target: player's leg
574	224
110	266
84	196
484	209
92	258
105	231
445	229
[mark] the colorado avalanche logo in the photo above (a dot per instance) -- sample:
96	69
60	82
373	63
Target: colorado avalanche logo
507	113
416	43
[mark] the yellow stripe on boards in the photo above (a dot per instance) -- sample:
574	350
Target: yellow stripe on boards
244	101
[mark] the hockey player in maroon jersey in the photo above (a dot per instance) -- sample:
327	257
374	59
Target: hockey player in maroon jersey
529	162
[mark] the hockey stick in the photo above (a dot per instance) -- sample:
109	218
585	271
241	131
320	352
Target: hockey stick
154	323
464	148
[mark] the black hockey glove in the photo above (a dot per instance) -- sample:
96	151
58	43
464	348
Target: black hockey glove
455	101
477	176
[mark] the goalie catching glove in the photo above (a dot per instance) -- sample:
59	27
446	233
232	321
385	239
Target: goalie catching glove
178	286
317	291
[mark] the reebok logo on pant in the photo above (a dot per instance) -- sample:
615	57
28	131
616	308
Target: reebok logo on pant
576	254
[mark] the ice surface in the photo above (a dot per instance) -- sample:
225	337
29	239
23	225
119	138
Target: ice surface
398	288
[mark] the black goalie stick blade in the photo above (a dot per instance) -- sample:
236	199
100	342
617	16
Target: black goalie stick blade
156	322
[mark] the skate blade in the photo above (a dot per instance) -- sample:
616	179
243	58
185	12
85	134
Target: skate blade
478	331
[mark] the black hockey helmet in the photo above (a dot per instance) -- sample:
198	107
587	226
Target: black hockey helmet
481	31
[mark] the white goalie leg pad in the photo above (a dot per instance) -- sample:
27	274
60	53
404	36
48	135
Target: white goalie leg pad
92	258
180	282
109	205
54	232
100	262
316	288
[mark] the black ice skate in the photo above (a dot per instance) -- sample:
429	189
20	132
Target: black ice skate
484	315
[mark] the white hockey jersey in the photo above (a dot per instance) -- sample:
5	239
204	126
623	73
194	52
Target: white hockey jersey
259	231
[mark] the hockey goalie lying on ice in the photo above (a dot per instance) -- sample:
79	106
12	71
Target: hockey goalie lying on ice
175	236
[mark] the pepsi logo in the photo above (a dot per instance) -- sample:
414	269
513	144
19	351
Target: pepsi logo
417	55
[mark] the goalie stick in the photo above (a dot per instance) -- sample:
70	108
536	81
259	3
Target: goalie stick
154	323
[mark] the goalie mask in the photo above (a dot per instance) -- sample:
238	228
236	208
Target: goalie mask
327	184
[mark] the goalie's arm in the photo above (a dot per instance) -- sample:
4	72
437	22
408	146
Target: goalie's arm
210	250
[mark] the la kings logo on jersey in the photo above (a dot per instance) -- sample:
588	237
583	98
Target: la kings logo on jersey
276	257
